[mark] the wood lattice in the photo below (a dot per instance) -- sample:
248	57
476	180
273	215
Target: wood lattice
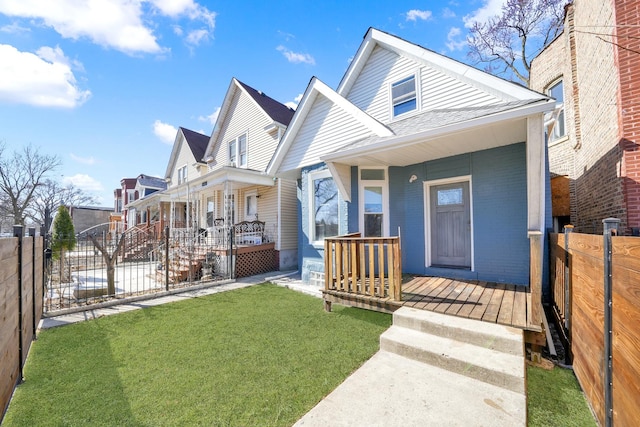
256	262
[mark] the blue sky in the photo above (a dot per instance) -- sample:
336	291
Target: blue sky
104	84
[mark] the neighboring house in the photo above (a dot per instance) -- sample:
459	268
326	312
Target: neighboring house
139	213
592	70
417	144
236	187
126	195
171	206
218	182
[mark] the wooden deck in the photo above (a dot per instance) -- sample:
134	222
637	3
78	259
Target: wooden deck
487	301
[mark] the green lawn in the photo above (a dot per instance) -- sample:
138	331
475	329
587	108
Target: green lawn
555	399
262	355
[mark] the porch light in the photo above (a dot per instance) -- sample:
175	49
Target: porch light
412	178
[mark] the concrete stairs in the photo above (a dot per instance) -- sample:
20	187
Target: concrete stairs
491	353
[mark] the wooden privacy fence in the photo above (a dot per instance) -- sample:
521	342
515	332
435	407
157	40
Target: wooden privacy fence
369	266
595	283
21	297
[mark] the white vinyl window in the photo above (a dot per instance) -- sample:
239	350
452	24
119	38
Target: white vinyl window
238	151
182	175
251	206
374	202
404	96
323	206
210	211
557	91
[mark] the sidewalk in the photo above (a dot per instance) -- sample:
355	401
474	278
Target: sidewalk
289	280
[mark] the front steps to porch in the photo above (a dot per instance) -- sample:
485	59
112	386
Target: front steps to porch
433	370
487	352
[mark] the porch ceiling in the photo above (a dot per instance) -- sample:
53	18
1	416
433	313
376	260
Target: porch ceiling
407	152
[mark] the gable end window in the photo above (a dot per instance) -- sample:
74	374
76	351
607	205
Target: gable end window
238	151
404	96
557	91
182	175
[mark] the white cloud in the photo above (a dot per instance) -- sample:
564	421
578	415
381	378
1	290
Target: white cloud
287	36
195	37
83	160
124	25
415	14
83	182
14	28
453	39
296	57
44	79
164	131
111	23
195	12
294	104
490	9
448	13
211	118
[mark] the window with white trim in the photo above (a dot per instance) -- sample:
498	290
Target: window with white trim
182	175
557	91
251	206
238	151
210	211
404	96
374	202
323	205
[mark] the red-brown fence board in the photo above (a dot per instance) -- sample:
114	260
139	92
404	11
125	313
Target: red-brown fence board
586	264
9	338
626	332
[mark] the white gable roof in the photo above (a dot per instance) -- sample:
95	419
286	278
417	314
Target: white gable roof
312	131
492	84
344	127
276	116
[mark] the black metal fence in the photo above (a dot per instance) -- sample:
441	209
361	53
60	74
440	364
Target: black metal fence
105	265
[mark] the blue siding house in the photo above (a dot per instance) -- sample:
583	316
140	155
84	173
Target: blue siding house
416	144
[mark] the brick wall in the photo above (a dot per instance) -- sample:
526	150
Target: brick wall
584	54
627	15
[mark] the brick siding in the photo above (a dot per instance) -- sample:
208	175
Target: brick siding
601	94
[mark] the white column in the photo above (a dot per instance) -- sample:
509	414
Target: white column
535	173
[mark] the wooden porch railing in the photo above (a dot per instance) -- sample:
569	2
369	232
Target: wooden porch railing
369	266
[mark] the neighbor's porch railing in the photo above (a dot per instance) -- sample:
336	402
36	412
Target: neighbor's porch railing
368	266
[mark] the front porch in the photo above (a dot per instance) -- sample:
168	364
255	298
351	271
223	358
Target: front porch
367	273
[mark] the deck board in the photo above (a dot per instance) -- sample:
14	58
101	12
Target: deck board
483	302
461	299
493	309
472	301
487	301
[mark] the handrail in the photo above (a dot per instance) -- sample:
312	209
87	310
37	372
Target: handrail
370	266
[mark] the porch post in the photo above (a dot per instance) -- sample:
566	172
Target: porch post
536	183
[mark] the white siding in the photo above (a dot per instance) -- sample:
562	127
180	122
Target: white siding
288	214
326	128
184	157
438	90
245	117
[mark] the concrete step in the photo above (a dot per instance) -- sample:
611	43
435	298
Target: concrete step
488	335
484	364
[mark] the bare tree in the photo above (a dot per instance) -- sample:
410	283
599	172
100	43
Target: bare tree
51	195
21	173
507	43
110	258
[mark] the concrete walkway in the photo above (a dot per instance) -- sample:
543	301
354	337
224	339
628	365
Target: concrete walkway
394	391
